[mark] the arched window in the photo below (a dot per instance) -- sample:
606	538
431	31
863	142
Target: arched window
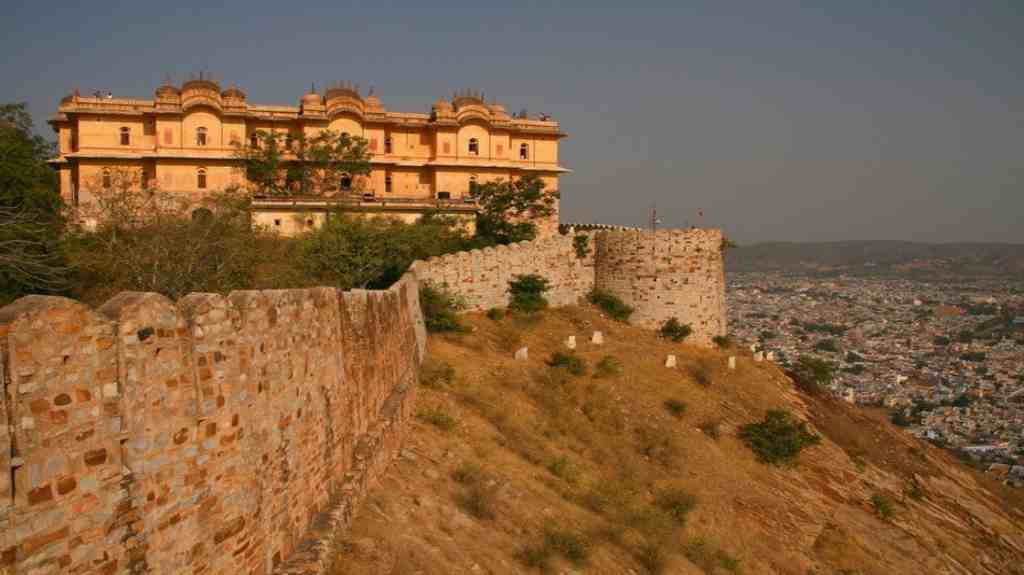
524	151
474	146
201	178
254	141
387	183
106	178
346	182
387	144
126	136
200	136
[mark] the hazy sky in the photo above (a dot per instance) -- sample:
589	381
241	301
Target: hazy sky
818	120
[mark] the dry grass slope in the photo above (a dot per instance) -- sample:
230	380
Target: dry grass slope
551	471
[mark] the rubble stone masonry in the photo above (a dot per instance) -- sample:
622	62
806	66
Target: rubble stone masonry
663	274
212	435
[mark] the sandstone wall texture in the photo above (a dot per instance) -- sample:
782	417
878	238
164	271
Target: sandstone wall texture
663	274
215	435
481	276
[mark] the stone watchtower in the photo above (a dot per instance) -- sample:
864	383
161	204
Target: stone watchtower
664	274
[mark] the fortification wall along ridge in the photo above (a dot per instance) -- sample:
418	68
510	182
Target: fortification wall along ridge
663	274
481	276
203	436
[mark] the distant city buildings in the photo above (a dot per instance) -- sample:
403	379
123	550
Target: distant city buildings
947	359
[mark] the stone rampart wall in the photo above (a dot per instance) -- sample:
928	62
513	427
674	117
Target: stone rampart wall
211	435
668	273
481	276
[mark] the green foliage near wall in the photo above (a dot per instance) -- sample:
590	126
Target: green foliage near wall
440	309
527	293
673	330
611	304
508	209
283	164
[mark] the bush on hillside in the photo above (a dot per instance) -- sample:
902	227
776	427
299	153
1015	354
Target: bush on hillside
811	374
701	373
527	293
570	362
722	341
677	503
674	330
611	304
778	438
440	308
676	407
607	367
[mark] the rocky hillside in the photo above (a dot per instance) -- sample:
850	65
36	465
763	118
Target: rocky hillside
617	464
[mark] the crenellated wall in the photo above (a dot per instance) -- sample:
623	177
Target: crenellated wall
668	273
212	435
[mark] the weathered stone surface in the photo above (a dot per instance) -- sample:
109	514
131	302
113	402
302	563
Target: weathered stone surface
204	436
522	353
670	361
668	273
597	338
732	362
570	342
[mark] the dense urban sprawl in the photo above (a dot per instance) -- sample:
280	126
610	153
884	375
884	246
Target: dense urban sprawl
947	358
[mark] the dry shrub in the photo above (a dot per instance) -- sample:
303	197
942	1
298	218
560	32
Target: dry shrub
701	373
656	443
434	373
508	337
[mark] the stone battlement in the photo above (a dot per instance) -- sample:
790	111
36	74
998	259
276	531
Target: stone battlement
662	274
208	435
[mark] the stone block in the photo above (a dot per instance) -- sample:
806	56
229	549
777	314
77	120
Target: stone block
597	338
570	342
670	361
522	353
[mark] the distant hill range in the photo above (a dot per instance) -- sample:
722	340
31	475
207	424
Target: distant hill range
891	258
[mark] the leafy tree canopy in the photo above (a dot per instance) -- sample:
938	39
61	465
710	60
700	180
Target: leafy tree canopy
30	258
284	164
25	179
508	209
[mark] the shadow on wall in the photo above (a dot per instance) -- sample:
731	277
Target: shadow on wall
207	434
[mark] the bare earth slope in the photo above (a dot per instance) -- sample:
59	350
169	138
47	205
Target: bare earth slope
518	467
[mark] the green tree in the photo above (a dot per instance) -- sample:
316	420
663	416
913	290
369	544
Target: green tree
30	210
508	210
352	252
147	240
25	179
810	374
283	165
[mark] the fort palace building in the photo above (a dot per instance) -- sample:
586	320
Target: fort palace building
186	140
